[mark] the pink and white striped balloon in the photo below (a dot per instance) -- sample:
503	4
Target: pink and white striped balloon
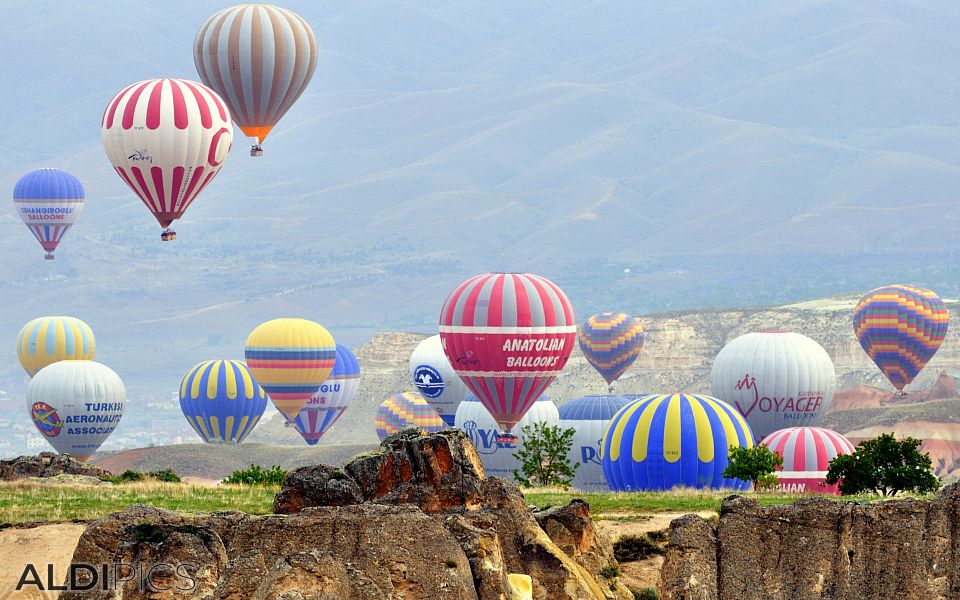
807	452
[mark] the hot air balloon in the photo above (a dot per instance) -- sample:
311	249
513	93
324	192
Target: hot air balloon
588	417
290	358
806	453
611	342
167	139
775	379
46	340
325	407
435	378
507	335
259	58
76	405
499	459
48	202
661	442
401	411
222	401
901	327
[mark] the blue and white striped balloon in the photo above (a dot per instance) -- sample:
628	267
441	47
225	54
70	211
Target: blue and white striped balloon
222	401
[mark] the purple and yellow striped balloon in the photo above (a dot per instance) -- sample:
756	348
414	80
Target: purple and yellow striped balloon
611	342
401	411
290	358
901	327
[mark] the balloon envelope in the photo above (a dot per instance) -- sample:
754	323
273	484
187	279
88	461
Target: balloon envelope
48	201
167	139
775	379
259	58
806	453
901	327
76	405
222	401
331	400
588	417
662	442
290	358
401	411
435	378
507	335
46	340
499	460
611	342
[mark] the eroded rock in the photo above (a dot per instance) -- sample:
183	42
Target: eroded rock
46	464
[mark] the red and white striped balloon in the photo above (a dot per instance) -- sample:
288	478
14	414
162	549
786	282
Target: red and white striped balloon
508	335
167	139
807	452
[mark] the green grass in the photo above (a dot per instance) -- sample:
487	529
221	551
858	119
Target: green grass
35	502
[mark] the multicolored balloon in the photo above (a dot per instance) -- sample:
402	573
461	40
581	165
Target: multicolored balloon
48	201
901	327
259	58
331	400
806	453
499	459
46	340
588	417
290	358
435	378
76	405
167	139
507	335
662	442
775	379
611	342
401	411
222	401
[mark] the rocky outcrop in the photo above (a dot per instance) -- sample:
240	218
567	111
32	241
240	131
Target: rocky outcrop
818	548
416	519
46	464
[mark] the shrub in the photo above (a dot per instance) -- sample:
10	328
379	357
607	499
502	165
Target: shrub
127	476
543	456
165	475
631	548
256	475
610	571
752	464
885	466
647	593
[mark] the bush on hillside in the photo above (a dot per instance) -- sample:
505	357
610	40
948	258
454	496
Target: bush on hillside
256	475
884	466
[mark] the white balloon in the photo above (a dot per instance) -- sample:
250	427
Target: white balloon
436	380
588	417
76	405
499	460
775	379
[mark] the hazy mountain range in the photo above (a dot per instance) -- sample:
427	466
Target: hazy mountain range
726	153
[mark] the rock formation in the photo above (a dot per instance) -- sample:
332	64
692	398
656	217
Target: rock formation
416	519
818	548
46	464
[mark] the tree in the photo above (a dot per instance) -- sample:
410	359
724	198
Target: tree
755	465
885	466
543	456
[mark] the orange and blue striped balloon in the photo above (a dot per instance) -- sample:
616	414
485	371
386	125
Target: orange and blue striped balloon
290	358
46	340
901	327
222	401
611	342
661	442
401	411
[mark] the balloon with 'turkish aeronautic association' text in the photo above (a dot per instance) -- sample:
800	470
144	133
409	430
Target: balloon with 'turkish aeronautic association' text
507	335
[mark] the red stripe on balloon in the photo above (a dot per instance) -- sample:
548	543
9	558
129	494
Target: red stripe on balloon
153	105
206	119
181	117
112	110
156	173
144	192
131	106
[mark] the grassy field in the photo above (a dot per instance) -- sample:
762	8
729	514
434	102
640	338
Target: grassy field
22	502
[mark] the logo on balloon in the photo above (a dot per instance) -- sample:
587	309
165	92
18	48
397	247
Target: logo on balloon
805	402
484	440
429	381
46	419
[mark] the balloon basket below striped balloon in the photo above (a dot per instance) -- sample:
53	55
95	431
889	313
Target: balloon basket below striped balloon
48	256
506	439
168	235
256	150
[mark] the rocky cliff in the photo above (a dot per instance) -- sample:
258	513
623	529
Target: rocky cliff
818	549
416	519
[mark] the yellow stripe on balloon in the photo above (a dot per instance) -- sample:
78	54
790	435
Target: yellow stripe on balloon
641	434
704	431
729	429
215	427
242	428
617	436
249	390
229	435
672	438
213	379
195	386
189	379
231	383
205	433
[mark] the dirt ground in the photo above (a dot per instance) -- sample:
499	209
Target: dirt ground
642	573
39	546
